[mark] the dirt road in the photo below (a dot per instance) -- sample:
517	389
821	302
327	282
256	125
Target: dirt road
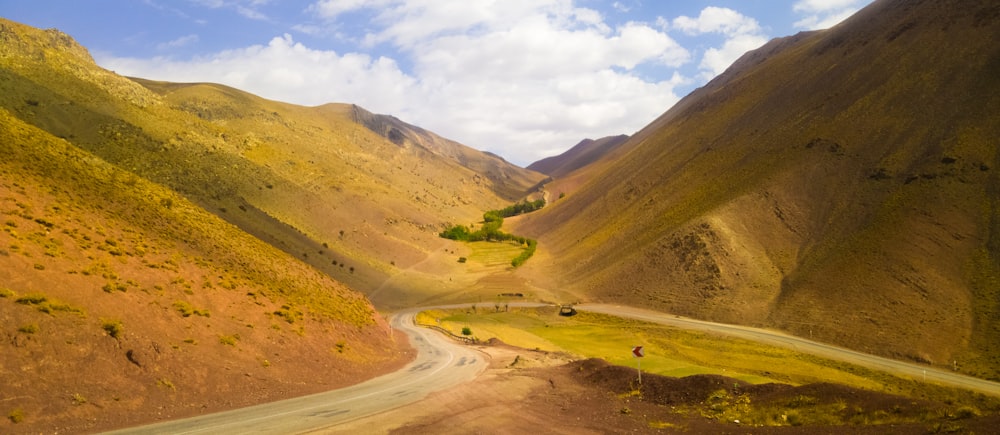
441	363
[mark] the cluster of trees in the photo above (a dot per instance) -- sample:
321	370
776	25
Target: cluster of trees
521	208
490	231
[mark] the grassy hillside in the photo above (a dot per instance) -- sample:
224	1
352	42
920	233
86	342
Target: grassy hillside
164	308
187	245
314	181
839	184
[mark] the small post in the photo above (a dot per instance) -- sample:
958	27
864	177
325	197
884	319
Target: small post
638	353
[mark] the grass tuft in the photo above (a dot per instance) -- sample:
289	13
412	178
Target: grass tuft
113	327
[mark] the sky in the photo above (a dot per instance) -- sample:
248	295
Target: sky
524	79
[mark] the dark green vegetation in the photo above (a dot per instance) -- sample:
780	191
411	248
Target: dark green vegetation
490	230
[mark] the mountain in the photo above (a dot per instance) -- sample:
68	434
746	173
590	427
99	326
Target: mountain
839	184
192	247
580	155
509	182
325	183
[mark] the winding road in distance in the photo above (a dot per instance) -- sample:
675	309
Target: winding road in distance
915	371
440	363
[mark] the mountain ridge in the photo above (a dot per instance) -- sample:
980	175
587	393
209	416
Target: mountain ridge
797	189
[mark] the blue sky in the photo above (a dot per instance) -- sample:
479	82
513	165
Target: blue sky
524	79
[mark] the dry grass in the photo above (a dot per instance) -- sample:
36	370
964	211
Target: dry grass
816	187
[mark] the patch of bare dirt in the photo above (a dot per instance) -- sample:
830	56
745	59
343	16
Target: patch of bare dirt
526	391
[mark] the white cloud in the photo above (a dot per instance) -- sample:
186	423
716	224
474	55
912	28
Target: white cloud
520	78
620	7
718	20
741	34
716	60
286	71
330	9
814	6
250	13
179	42
823	14
246	8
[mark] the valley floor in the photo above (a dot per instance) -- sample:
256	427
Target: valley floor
527	391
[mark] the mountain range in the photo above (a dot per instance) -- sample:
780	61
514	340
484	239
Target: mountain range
839	184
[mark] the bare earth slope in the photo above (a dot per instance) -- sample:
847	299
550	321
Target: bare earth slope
840	184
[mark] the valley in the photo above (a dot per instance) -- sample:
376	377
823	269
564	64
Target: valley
815	231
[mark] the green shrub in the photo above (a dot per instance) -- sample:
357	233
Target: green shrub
229	340
165	383
113	327
16	415
31	299
186	310
30	328
45	305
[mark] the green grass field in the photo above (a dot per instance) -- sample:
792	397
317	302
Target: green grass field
678	353
668	351
493	254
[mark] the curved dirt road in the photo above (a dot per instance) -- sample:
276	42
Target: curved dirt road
440	363
894	367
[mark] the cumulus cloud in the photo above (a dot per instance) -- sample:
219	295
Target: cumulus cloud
287	71
521	78
822	14
741	34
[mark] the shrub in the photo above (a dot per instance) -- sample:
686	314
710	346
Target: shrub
289	314
165	383
16	415
466	331
229	340
31	299
30	328
43	304
186	310
113	327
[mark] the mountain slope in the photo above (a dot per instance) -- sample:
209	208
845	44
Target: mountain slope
128	207
509	182
582	154
312	181
839	184
122	302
